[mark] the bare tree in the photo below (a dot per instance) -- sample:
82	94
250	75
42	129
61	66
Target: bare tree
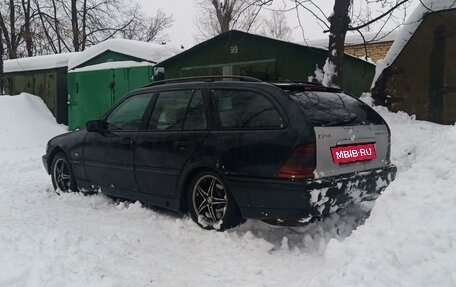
276	26
52	37
36	27
18	22
8	23
344	19
76	24
341	23
26	29
93	21
149	29
217	17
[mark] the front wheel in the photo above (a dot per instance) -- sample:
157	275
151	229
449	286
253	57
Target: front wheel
62	174
211	204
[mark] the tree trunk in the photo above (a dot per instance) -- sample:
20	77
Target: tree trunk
339	23
56	28
84	26
75	25
27	28
2	51
13	38
224	12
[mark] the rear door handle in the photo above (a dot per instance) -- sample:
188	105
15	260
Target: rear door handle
127	141
181	145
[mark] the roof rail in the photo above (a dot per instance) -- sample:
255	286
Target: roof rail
304	85
204	79
278	83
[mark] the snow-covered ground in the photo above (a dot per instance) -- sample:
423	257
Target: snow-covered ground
409	239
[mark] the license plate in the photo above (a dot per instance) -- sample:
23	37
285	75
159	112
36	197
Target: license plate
353	153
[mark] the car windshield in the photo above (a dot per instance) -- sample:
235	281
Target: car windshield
334	109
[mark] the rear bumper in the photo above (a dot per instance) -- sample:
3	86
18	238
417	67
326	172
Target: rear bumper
302	200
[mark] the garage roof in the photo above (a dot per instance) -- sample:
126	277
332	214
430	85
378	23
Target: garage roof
37	63
146	51
356	39
413	22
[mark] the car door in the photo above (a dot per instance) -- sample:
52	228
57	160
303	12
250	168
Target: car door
109	154
251	137
177	127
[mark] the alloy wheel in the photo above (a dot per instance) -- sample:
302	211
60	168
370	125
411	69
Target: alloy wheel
62	176
209	199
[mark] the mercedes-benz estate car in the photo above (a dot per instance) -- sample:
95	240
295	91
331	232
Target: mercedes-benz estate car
227	149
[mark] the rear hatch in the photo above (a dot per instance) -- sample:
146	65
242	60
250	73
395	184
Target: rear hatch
350	136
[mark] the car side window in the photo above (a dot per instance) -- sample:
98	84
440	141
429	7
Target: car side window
239	109
128	115
177	110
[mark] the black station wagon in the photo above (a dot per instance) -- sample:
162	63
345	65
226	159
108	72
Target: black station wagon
230	148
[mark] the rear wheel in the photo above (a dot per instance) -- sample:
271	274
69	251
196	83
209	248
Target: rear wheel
211	204
62	174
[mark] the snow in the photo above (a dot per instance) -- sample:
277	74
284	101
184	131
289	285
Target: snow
38	63
408	238
354	38
112	65
318	75
150	52
329	70
411	25
25	122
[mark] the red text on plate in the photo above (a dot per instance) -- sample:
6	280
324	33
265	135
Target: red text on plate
352	153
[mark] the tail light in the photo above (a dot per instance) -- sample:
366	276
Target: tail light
301	164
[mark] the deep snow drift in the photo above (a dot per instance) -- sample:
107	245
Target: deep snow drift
75	240
26	125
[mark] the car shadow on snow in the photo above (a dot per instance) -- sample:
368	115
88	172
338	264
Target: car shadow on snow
312	237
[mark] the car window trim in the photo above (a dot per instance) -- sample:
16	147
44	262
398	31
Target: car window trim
175	89
116	105
148	112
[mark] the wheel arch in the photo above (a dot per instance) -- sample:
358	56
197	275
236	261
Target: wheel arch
187	179
54	151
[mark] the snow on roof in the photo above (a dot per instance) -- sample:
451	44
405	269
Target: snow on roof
151	52
412	24
354	38
112	65
37	63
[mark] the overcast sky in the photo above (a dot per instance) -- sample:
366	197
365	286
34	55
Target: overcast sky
184	15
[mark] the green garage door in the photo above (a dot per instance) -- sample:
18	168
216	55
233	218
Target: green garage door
92	93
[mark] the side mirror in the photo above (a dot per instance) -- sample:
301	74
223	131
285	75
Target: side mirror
94	126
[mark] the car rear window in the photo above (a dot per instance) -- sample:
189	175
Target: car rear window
334	109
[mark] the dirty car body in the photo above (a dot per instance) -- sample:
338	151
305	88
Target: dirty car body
283	151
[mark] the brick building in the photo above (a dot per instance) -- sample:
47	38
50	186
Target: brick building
375	50
374	43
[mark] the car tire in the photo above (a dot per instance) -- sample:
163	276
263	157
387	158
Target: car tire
211	204
62	174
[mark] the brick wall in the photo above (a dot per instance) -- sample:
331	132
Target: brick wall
375	51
